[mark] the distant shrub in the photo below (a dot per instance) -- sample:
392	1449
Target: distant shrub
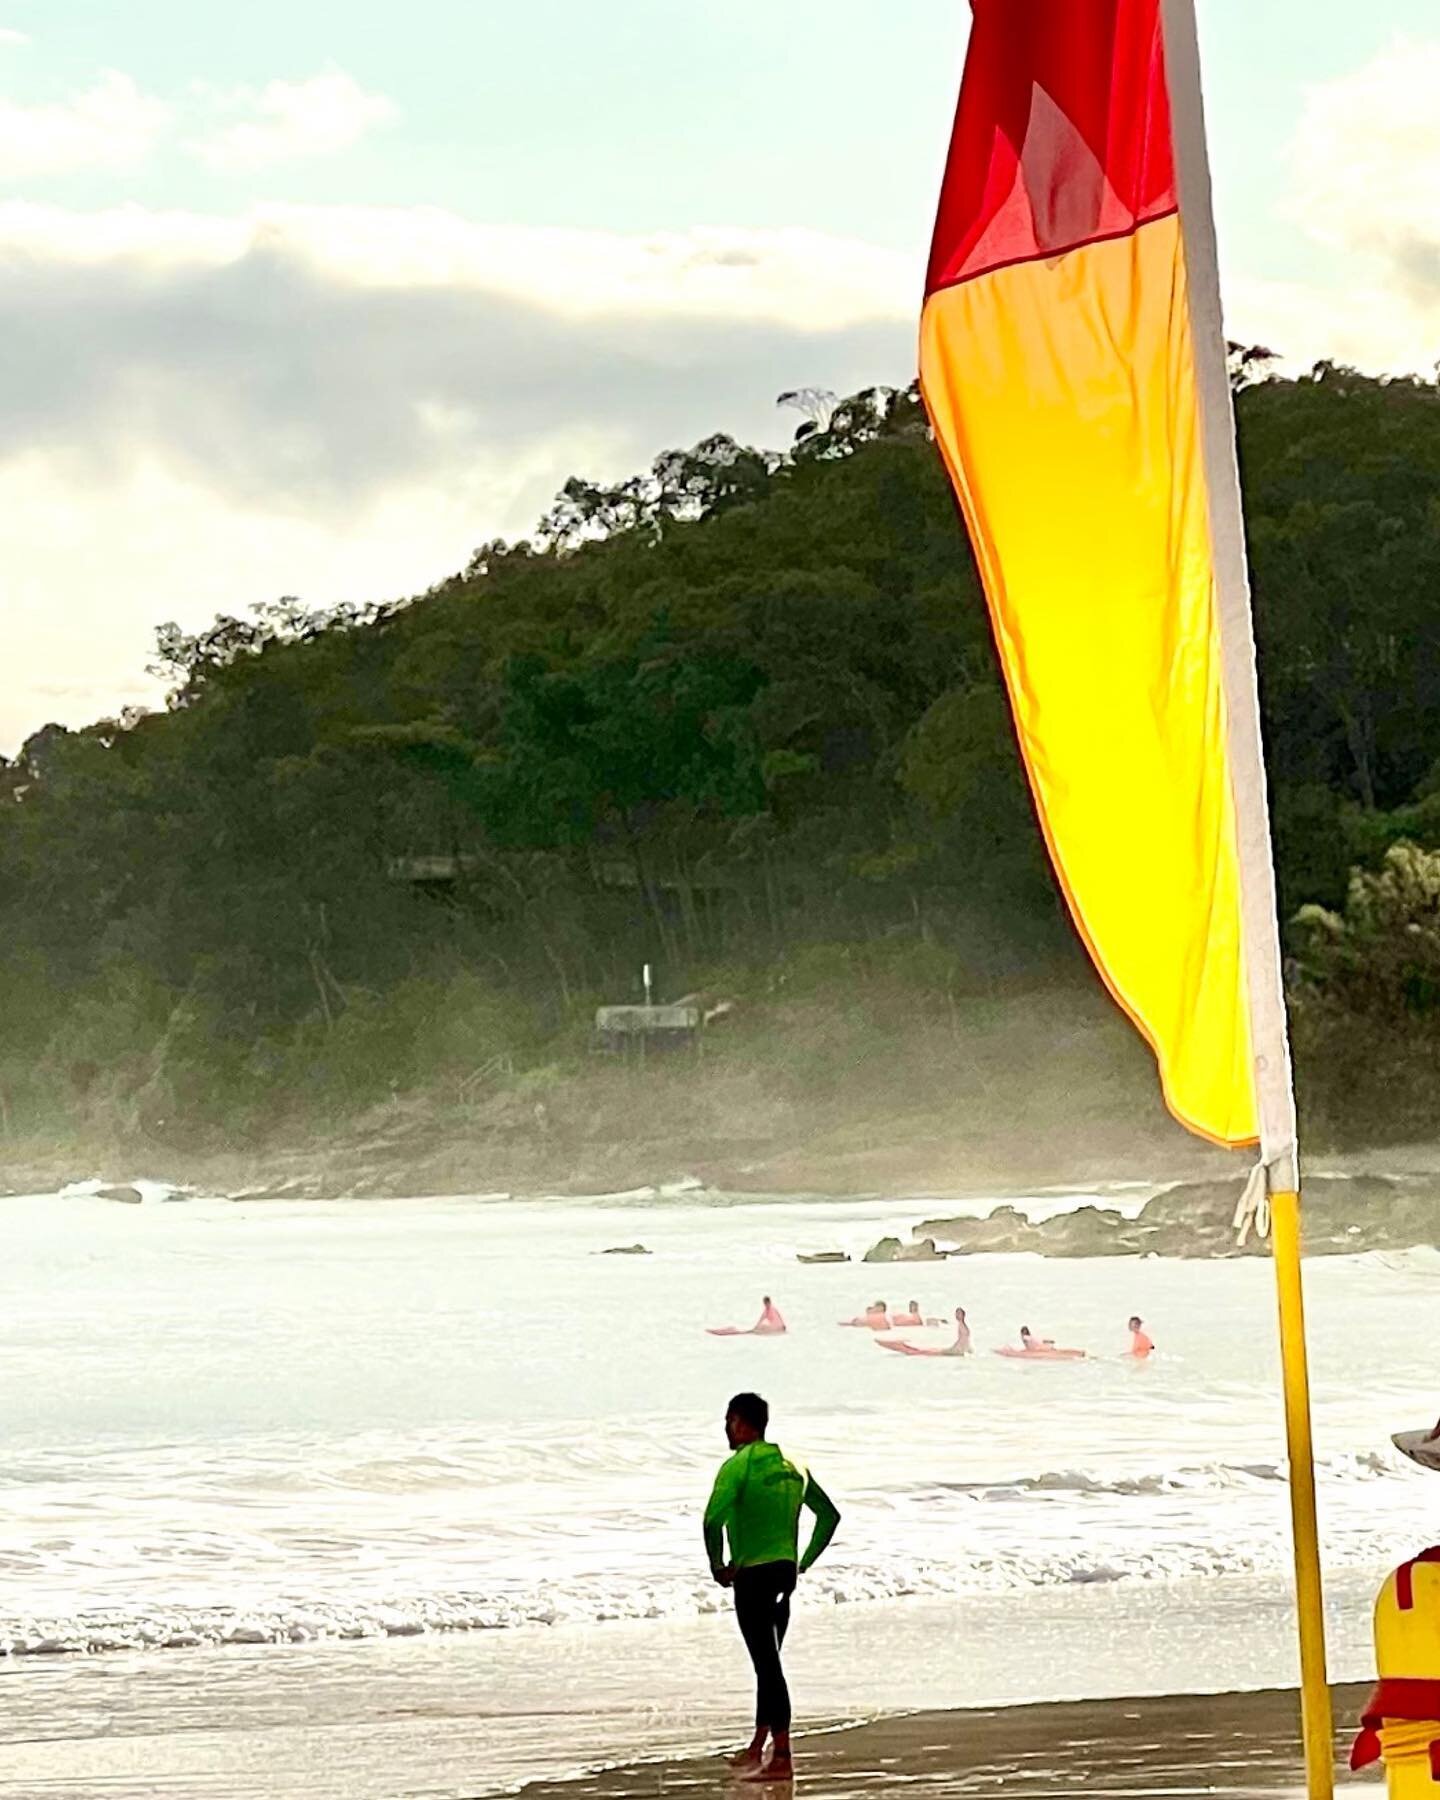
1367	1001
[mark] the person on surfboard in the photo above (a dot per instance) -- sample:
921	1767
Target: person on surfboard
1141	1345
769	1324
1041	1349
876	1317
962	1345
755	1505
912	1315
769	1321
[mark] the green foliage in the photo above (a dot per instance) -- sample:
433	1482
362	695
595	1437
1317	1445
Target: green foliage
1382	956
1368	996
738	706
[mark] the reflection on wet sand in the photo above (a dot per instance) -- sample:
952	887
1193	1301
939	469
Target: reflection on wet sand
1233	1744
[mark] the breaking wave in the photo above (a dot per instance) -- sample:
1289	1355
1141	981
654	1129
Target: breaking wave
1010	1554
1205	1478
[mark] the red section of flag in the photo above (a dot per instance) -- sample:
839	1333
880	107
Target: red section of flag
1062	137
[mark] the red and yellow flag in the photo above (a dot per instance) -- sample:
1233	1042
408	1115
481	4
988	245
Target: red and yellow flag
1057	364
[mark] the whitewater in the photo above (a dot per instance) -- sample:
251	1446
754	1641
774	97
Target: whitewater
241	1430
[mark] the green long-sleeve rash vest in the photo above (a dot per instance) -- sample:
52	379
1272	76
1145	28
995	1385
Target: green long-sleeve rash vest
756	1503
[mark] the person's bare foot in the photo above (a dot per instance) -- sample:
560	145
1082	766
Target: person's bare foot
749	1758
778	1769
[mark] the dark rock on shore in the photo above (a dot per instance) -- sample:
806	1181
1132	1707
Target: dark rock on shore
1342	1214
894	1250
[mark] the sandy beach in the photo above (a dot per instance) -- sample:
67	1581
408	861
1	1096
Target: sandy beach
1239	1744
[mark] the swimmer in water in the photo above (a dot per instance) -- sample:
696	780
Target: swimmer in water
1140	1343
961	1346
876	1317
911	1316
770	1324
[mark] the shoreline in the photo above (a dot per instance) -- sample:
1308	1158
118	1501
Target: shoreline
942	1699
339	1173
1352	1205
573	1170
1244	1743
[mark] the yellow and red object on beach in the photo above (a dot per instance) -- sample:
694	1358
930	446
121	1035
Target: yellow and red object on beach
1401	1724
1073	361
1058	365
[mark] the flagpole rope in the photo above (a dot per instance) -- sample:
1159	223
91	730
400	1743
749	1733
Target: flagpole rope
1252	1210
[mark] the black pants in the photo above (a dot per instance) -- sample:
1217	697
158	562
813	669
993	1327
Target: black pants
762	1611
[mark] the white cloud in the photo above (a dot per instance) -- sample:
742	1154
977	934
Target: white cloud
88	567
1363	323
809	279
205	412
293	119
10	36
1366	154
111	125
1365	165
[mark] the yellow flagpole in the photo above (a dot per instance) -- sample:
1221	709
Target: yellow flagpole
1317	1722
1260	925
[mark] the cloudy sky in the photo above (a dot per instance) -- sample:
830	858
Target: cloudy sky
313	299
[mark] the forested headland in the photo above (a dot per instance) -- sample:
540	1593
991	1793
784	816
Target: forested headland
366	878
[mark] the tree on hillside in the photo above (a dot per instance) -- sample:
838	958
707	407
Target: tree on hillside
734	705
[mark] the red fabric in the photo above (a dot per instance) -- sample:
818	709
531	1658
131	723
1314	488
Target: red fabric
1062	136
1395	1697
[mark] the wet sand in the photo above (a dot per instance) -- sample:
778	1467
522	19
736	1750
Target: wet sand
494	1713
1192	1744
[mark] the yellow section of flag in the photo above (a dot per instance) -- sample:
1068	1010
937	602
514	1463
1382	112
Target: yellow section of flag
1062	390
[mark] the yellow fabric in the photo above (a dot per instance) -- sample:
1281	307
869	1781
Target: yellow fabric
1407	1644
1063	396
1405	1746
1407	1639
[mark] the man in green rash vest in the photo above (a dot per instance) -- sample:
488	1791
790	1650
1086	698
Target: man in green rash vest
756	1504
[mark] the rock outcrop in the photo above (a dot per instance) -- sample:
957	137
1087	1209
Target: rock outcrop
1343	1214
895	1250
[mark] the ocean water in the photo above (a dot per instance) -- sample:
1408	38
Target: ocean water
452	1442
